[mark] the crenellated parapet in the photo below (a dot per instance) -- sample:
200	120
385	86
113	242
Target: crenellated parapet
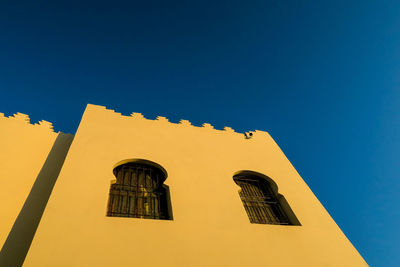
185	122
163	119
256	134
45	124
21	117
24	119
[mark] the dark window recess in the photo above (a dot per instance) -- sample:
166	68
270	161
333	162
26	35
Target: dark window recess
138	192
260	201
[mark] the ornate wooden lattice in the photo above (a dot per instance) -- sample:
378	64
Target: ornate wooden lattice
138	192
260	201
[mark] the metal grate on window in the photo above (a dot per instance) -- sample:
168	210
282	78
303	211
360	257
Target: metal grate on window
138	192
260	202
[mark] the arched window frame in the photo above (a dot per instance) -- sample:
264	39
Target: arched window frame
139	191
261	200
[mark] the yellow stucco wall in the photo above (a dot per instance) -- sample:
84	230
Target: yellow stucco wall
23	150
210	226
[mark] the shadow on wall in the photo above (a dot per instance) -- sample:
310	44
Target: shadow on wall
21	235
289	212
168	202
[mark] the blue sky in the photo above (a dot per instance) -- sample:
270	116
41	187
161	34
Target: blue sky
323	78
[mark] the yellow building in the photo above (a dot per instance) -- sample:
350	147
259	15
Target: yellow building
139	192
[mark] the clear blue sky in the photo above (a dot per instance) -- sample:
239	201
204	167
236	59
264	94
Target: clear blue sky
323	77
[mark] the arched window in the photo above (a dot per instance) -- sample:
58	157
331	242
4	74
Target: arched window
139	192
261	200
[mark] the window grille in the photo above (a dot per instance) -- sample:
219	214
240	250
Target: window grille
138	192
260	201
